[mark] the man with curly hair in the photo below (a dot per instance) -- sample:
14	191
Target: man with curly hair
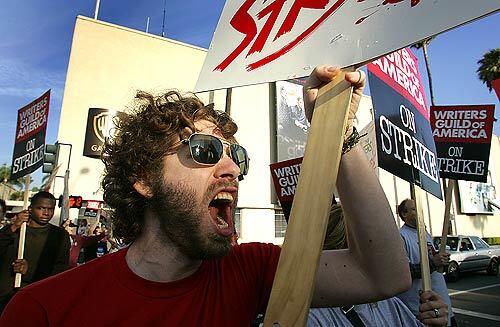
172	173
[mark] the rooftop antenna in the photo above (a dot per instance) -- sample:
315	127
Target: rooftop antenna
147	25
163	25
96	11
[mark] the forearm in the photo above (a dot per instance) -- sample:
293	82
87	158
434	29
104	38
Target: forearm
373	237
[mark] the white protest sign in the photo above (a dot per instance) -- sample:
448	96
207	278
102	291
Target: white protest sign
270	40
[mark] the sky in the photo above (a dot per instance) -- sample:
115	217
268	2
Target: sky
36	40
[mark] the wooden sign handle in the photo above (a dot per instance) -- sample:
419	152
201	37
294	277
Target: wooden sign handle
22	231
422	241
446	221
293	285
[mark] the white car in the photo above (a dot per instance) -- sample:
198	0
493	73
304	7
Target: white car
469	253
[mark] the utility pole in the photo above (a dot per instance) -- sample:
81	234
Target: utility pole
163	25
65	203
96	11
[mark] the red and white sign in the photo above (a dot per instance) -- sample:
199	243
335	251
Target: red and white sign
399	70
285	176
496	87
93	204
471	124
264	41
32	118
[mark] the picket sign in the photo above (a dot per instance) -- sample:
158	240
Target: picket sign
417	194
22	231
266	41
446	221
293	285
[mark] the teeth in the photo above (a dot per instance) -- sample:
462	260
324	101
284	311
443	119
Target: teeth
221	223
224	196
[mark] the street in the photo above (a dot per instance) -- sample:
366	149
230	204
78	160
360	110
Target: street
476	299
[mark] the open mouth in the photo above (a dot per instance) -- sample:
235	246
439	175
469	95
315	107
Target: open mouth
221	213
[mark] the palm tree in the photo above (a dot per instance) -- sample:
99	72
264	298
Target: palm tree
423	45
16	196
45	179
5	177
489	67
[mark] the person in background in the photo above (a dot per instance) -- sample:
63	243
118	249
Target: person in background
3	211
46	250
83	228
433	311
407	212
82	246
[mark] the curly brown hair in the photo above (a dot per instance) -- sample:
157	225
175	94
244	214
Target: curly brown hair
142	137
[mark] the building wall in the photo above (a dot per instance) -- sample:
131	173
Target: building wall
108	63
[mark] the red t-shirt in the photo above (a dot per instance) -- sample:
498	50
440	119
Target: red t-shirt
227	292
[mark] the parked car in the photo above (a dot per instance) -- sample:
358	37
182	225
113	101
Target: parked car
469	253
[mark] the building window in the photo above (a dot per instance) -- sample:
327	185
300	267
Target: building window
237	222
279	224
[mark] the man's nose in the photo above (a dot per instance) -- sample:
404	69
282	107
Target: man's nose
227	168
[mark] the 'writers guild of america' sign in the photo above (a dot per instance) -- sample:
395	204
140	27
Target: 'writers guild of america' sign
30	137
98	124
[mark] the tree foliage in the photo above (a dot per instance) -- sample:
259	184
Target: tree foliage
489	67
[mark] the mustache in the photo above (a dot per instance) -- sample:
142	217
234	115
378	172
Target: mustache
217	185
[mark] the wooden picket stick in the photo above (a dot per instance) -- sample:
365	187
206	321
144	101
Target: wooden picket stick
22	231
293	285
446	221
422	241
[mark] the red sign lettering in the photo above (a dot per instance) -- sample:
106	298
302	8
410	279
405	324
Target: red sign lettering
245	23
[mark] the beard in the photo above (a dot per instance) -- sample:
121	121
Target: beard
179	215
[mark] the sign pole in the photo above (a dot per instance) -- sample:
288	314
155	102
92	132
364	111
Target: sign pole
65	199
446	221
22	231
422	240
293	285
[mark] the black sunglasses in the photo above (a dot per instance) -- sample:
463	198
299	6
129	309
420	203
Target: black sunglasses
208	149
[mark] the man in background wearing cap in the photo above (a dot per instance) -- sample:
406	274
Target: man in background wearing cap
46	247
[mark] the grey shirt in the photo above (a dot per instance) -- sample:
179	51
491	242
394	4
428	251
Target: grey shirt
390	312
411	297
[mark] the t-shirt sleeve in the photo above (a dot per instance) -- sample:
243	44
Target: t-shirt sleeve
23	310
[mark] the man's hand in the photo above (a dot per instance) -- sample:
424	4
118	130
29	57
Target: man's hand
433	310
441	259
21	217
20	266
324	74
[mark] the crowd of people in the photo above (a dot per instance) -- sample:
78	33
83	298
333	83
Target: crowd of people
172	172
48	249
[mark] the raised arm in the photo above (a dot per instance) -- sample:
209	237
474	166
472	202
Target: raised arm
375	265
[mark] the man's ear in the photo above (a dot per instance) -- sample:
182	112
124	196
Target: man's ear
142	189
